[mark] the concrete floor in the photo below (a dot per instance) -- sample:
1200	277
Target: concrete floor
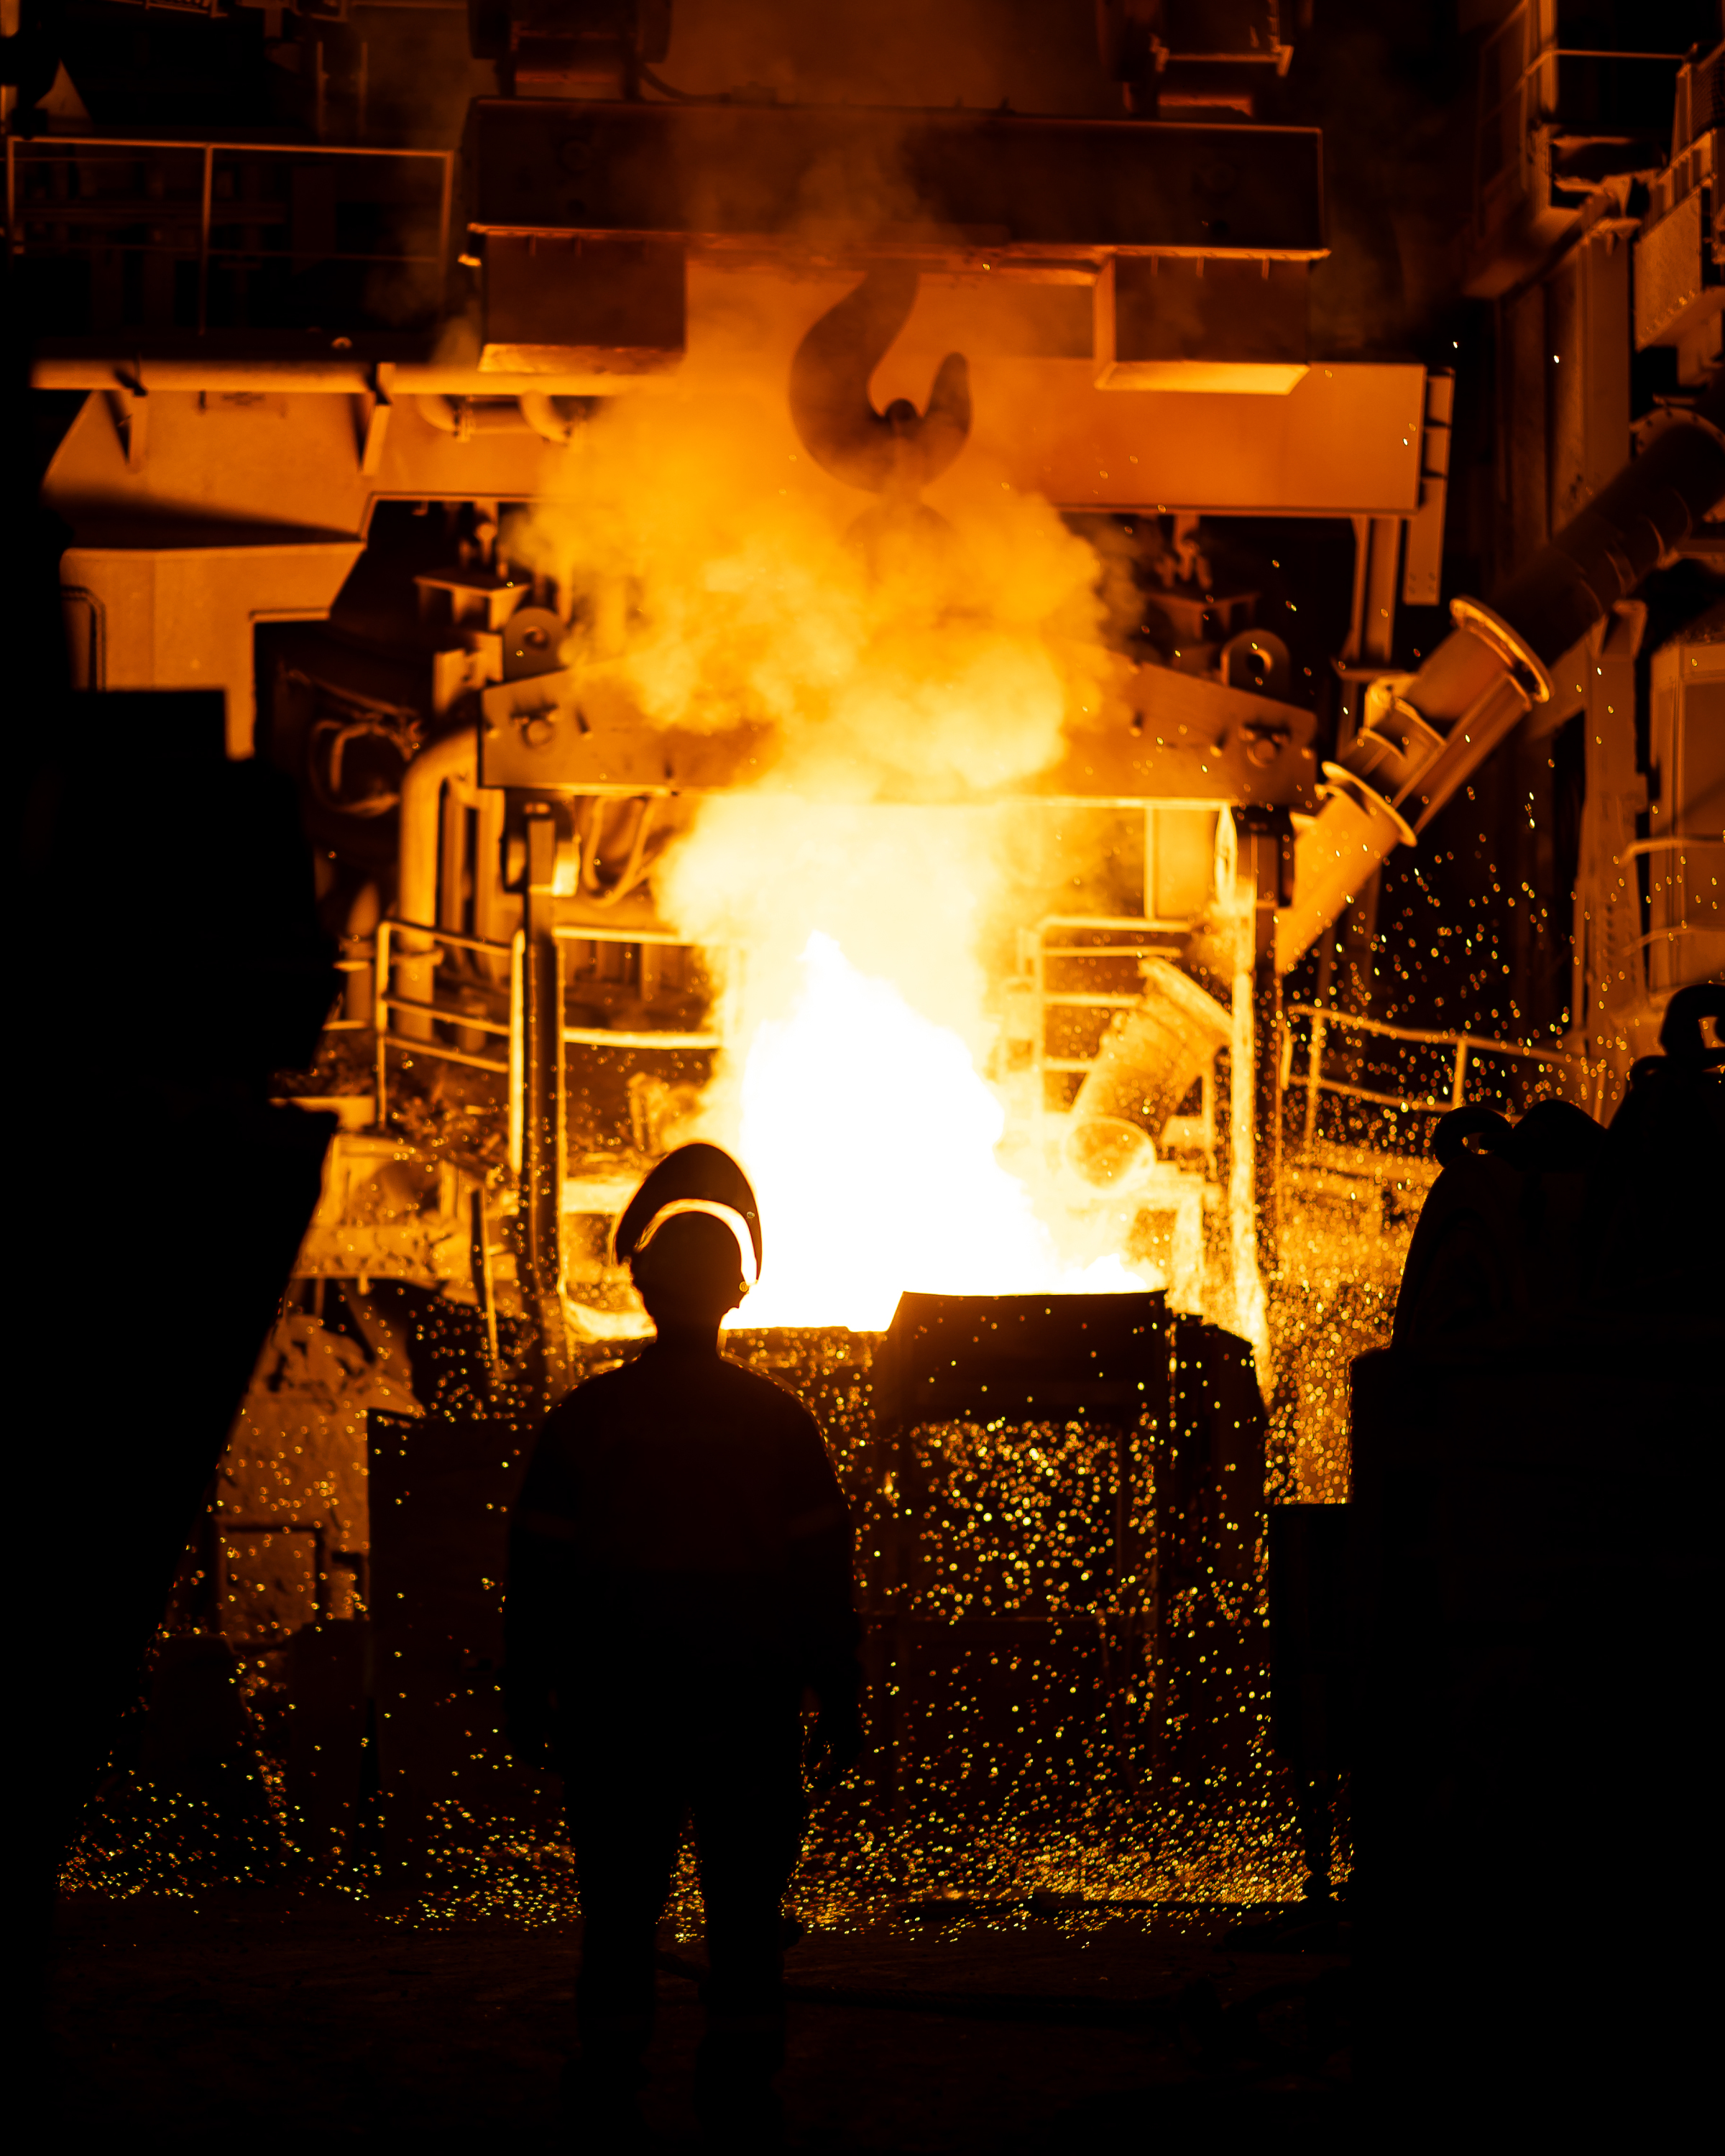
279	2016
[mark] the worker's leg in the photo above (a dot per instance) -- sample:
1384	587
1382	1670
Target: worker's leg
746	1791
626	1805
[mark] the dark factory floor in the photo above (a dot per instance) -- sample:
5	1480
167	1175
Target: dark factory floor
275	2016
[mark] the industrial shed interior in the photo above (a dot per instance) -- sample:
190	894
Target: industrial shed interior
1093	636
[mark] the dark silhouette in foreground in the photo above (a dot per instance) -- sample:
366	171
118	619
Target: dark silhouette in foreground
679	1577
1504	1638
169	962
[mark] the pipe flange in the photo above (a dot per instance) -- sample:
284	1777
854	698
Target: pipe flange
1340	783
1663	418
1527	670
1417	728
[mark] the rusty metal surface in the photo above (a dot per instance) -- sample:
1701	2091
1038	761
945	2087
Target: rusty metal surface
618	305
249	221
950	1355
847	180
1346	441
1677	277
182	616
1179	321
1169	736
1190	737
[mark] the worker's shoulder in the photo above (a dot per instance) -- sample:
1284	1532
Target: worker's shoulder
763	1396
646	1386
591	1404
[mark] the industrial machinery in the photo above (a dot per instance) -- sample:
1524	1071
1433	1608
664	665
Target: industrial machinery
538	473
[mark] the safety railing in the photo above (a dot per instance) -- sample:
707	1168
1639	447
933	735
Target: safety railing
1518	90
405	943
360	958
227	212
1460	1048
650	939
427	947
1113	936
1146	941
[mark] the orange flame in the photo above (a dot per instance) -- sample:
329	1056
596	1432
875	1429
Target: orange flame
872	1140
716	588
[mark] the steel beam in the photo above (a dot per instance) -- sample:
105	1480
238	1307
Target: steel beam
846	181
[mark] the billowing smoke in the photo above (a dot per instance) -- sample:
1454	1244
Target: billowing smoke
717	580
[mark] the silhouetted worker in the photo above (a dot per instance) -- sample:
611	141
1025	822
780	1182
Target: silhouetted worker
679	1577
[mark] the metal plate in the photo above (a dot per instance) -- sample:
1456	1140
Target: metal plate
844	181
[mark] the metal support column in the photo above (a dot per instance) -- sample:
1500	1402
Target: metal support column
542	1122
1269	834
1377	556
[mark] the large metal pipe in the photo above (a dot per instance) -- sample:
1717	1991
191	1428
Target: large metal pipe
452	759
464	417
1414	753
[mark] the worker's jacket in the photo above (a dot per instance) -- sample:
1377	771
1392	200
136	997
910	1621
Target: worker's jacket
679	1515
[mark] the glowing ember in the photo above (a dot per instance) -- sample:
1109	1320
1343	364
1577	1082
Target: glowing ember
871	1137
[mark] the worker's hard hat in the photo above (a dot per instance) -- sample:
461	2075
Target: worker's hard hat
695	1178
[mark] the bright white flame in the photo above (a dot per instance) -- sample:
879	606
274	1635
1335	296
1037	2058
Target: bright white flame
871	1136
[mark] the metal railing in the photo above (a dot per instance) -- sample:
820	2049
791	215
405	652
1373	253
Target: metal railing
1150	942
579	1036
181	197
386	1001
362	961
508	961
1517	91
1462	1047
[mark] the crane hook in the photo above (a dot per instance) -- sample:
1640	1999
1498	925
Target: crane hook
896	452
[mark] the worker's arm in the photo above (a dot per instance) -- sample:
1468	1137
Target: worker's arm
821	1550
529	1621
541	1537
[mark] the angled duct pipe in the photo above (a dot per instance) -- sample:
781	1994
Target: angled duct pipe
451	760
1411	757
1149	1060
895	452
